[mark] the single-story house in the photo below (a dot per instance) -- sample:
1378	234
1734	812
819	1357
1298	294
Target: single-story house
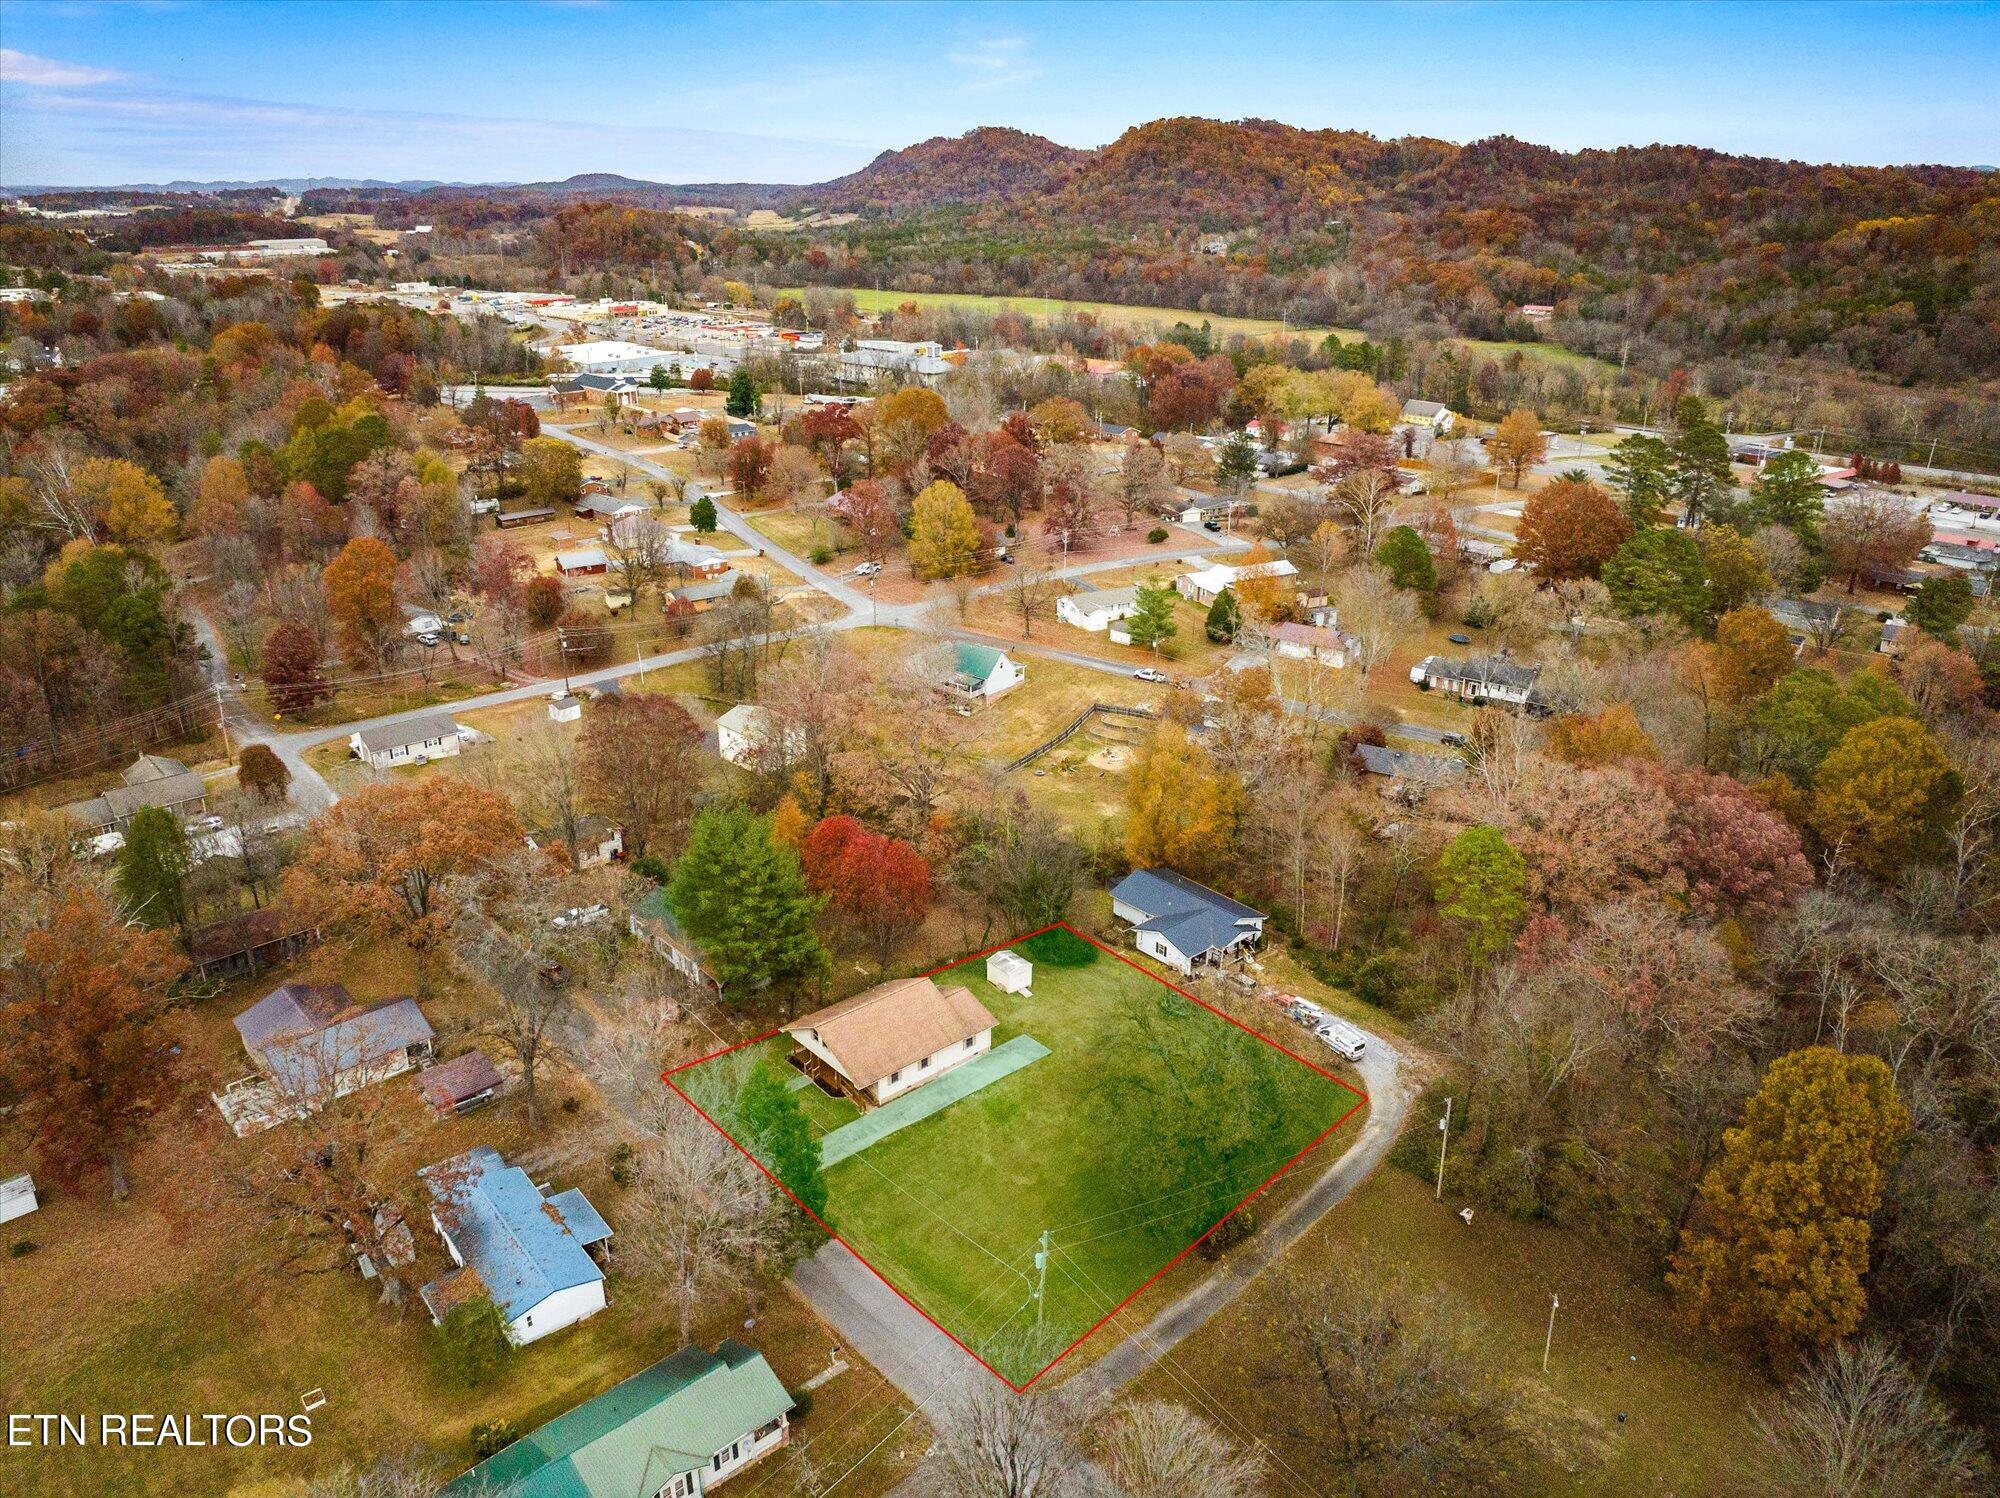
653	922
1098	608
585	561
1963	556
250	941
151	780
674	1430
313	1043
527	515
1537	311
746	736
889	1039
1183	924
418	620
1404	772
1490	678
529	1252
1310	642
1433	414
460	1084
599	840
693	559
408	741
700	597
1205	585
1807	619
981	671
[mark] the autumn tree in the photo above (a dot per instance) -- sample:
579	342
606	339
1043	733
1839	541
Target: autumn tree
291	668
1600	738
550	471
1754	650
1181	810
1478	883
1779	1251
1737	857
877	887
1737	574
1569	529
125	500
260	772
1882	795
89	1042
642	765
361	596
1872	532
944	535
381	859
1517	444
1940	605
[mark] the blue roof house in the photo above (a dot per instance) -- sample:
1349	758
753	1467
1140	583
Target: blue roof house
674	1430
1183	924
529	1252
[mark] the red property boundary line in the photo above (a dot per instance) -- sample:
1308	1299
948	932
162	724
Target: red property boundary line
1360	1097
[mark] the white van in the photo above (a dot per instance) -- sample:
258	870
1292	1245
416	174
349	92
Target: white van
1349	1043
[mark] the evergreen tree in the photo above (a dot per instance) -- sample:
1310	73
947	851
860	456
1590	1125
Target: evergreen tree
1941	605
745	399
1224	617
742	897
1152	620
1659	572
1408	558
1236	463
153	868
1479	882
1639	468
658	378
702	516
776	1131
1698	476
1787	493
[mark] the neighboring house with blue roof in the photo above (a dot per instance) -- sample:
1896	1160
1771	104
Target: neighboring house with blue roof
528	1252
674	1430
1183	924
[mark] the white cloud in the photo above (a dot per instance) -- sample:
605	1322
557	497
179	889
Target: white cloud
46	72
993	62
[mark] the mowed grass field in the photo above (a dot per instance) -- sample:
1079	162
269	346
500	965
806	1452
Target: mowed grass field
1111	314
1091	1142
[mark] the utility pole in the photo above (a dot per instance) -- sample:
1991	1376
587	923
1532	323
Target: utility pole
222	722
1041	1274
1555	1304
1444	1130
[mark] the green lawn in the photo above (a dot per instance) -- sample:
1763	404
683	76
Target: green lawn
1121	314
1150	1118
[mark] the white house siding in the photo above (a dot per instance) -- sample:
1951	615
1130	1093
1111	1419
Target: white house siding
933	1066
1092	619
1006	676
403	754
552	1314
1155	945
1131	915
748	1449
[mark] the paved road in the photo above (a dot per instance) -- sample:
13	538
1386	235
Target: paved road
922	1362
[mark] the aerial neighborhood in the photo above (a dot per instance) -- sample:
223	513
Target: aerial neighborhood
1245	810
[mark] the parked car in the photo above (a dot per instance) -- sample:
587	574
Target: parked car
580	915
867	569
1151	673
1306	1012
1347	1041
1211	524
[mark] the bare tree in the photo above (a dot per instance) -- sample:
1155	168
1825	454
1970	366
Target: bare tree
533	1014
545	777
638	548
1029	590
994	1443
1365	499
1376	614
403	1476
1158	1450
1861	1423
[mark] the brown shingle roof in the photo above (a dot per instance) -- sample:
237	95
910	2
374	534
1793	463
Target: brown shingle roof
894	1025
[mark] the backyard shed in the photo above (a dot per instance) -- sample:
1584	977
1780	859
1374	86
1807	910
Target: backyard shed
1009	972
17	1197
460	1084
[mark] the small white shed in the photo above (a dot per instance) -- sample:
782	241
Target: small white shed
17	1197
1009	972
565	708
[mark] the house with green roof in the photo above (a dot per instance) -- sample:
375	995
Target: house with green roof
981	672
653	922
674	1430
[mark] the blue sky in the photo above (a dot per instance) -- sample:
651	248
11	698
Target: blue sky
524	90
